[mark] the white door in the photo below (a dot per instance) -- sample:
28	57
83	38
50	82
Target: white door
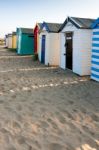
19	43
63	51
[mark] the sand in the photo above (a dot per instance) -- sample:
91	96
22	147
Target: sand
46	108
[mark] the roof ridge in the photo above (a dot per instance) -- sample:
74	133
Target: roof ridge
82	18
52	22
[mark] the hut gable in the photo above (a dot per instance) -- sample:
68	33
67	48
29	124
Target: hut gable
69	26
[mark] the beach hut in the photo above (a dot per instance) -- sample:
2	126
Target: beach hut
49	47
95	51
9	41
36	37
25	41
14	40
75	49
6	41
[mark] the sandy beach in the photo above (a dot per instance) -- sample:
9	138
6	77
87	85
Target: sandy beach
46	108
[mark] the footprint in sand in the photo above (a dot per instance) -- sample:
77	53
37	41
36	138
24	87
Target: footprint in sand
71	102
94	117
16	125
6	135
11	148
14	96
83	110
1	101
70	116
32	148
21	140
8	108
7	139
56	130
56	146
37	144
4	131
61	119
44	124
19	118
19	107
53	124
87	130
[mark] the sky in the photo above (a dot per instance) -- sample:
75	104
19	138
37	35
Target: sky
26	13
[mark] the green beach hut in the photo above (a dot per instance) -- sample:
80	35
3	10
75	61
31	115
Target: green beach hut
25	41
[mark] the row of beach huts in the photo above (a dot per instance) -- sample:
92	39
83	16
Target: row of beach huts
72	45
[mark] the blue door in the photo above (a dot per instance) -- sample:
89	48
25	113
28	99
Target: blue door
43	49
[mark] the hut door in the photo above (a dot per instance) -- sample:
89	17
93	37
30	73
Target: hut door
43	49
68	54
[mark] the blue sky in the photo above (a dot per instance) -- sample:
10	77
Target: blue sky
25	13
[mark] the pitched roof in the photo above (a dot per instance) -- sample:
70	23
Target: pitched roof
51	27
40	24
9	34
6	35
26	30
13	33
81	23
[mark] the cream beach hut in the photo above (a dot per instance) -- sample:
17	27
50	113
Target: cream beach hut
9	41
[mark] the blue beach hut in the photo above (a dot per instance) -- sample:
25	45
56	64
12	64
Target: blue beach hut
95	51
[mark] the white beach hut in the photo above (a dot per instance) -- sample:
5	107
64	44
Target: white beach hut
9	40
95	51
49	44
76	37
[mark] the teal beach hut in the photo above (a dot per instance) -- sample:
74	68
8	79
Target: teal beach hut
25	41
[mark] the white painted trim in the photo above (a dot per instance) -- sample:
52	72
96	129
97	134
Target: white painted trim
75	22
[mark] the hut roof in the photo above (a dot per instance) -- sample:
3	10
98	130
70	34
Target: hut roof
40	24
26	30
13	33
51	27
81	23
